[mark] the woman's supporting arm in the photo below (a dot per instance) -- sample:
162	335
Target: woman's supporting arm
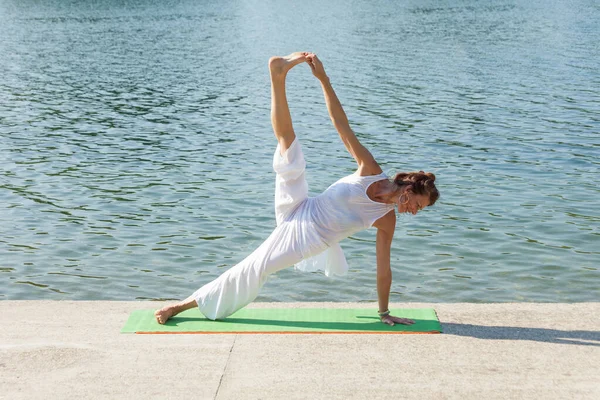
386	226
384	271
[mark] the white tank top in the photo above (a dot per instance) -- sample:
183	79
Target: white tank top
343	209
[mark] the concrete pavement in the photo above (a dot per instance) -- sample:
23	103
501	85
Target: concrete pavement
73	350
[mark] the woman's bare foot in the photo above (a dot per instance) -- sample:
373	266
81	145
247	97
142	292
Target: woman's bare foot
279	66
167	312
164	314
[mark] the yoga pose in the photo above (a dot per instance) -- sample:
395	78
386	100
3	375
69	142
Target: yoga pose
309	229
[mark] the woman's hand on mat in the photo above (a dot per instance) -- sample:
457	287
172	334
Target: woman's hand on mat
316	66
391	320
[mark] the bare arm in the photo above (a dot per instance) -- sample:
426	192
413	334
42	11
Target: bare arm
365	160
386	226
384	270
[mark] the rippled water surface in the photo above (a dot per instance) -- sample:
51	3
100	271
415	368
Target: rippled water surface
136	146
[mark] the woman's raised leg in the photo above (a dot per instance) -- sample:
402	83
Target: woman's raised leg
282	127
280	112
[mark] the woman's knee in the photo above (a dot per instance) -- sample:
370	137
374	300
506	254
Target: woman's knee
285	141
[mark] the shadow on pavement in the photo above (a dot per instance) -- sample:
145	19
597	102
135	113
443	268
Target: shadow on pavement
581	338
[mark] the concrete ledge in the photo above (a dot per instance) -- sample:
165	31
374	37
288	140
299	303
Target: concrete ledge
72	349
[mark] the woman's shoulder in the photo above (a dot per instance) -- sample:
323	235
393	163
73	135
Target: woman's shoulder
371	177
369	170
362	181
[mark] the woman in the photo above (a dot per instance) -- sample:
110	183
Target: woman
309	229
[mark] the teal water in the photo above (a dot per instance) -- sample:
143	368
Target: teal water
135	143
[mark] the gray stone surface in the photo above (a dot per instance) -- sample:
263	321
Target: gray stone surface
74	350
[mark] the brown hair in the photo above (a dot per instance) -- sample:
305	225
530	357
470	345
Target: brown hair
419	183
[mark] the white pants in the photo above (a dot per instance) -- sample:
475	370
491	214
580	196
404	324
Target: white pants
290	242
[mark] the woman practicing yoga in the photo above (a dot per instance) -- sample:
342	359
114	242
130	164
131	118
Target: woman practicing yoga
309	230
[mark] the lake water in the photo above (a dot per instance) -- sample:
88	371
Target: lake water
136	145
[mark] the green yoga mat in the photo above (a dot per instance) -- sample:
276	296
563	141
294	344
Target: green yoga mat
286	320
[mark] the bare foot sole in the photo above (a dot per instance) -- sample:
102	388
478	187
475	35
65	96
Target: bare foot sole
164	314
281	65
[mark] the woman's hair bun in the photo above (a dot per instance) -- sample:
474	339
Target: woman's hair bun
420	182
430	176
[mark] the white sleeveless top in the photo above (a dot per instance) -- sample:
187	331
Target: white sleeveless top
343	209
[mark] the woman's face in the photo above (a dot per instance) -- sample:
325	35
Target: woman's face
415	203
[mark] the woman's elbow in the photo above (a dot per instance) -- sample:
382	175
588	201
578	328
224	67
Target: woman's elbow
384	273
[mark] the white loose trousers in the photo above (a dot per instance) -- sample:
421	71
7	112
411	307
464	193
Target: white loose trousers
293	240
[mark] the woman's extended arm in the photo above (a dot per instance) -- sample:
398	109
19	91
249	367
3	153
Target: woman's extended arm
366	162
384	271
385	233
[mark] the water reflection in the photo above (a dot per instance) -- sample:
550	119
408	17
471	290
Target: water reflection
136	144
